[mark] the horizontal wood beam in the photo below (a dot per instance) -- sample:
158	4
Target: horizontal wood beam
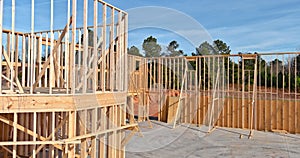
17	103
57	102
56	144
102	99
100	132
27	131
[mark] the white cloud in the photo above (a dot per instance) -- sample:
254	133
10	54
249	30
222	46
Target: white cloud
170	20
276	34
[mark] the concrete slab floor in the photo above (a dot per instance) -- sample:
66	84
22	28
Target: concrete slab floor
190	142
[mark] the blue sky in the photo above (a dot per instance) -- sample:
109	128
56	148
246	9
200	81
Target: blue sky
246	26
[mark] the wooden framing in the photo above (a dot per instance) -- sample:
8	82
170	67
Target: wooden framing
59	93
64	91
253	91
1	45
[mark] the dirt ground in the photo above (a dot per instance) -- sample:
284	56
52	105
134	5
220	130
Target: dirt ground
162	141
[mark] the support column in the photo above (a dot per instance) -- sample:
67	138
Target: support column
72	129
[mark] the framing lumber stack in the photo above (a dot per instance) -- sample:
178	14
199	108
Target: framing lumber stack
62	92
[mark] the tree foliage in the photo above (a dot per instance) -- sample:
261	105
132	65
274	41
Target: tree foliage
271	73
204	49
172	48
221	47
218	47
151	48
133	50
90	38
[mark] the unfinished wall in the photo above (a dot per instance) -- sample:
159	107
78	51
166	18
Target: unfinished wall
62	87
254	91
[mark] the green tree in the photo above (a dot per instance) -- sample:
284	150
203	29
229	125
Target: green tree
133	50
204	49
151	48
90	38
172	48
221	47
218	47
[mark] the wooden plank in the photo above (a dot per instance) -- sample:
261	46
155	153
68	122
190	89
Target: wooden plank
72	132
26	120
268	121
72	50
124	51
230	112
39	59
15	134
6	57
24	129
33	62
123	56
28	61
183	90
7	79
102	142
297	116
110	139
131	134
205	110
172	108
99	132
103	55
285	115
45	130
50	59
1	27
296	103
130	110
23	60
114	133
262	116
51	129
118	44
50	136
8	48
16	55
12	46
239	108
279	131
6	135
160	78
53	53
21	119
32	48
9	151
30	143
121	121
34	131
243	96
273	114
36	103
112	53
101	99
95	36
94	114
85	45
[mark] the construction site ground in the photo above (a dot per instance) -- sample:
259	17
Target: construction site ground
188	141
